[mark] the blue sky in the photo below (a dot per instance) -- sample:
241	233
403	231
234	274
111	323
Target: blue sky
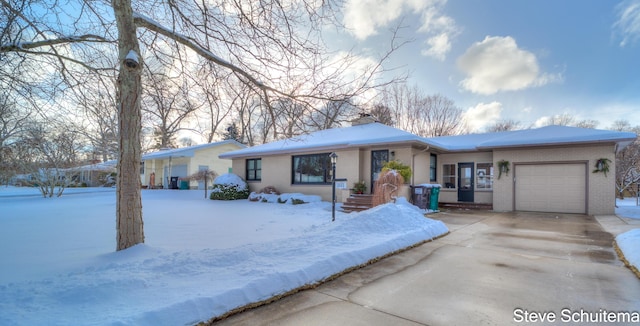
521	60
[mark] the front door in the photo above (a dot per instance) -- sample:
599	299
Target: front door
465	182
378	160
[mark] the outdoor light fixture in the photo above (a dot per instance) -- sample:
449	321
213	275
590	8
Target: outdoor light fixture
131	60
334	159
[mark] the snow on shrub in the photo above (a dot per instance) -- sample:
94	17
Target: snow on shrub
286	198
229	186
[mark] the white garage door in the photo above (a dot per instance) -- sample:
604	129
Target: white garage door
557	188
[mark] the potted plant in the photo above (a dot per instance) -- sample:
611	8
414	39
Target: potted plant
359	187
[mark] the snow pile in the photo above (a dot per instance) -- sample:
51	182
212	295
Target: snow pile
230	179
628	207
286	198
629	244
202	258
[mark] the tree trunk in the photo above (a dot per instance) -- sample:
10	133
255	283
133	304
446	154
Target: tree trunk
129	224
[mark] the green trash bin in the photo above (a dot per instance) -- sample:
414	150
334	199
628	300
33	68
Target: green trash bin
184	184
433	201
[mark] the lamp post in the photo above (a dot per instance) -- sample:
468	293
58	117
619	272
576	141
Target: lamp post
334	159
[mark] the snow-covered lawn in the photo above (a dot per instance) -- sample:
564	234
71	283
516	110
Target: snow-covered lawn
201	258
629	242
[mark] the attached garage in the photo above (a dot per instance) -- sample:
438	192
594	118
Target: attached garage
551	187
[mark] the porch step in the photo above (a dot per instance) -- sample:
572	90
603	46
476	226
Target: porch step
462	205
357	203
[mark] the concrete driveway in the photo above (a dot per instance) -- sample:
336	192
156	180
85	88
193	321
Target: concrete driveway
492	269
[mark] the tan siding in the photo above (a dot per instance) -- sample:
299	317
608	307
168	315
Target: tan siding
451	195
276	172
601	197
355	165
420	167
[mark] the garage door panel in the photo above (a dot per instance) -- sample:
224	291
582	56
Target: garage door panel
557	188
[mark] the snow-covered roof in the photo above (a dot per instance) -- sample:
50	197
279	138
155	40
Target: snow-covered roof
545	136
186	151
104	166
332	139
379	134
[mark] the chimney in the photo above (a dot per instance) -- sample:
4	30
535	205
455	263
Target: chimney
364	119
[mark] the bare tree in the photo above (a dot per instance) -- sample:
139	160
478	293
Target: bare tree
213	86
621	125
332	114
504	125
441	118
289	117
168	104
274	41
129	221
48	153
260	131
427	116
12	125
587	123
383	114
567	119
627	161
404	103
95	100
254	118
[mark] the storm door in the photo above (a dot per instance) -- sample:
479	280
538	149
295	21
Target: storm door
378	160
465	182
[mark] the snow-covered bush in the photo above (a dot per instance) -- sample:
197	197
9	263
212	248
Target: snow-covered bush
286	198
268	191
229	186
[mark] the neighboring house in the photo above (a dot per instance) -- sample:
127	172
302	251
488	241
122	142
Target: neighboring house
550	168
90	175
183	162
93	175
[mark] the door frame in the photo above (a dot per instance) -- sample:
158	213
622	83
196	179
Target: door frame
466	193
373	168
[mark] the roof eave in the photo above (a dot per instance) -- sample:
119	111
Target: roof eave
169	155
335	147
586	142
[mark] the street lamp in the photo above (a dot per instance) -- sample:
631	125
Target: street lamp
334	159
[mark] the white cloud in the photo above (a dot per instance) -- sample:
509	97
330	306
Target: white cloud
482	115
628	21
364	18
439	46
543	121
440	29
497	64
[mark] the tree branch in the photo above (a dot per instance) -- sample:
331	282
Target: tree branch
23	46
148	23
